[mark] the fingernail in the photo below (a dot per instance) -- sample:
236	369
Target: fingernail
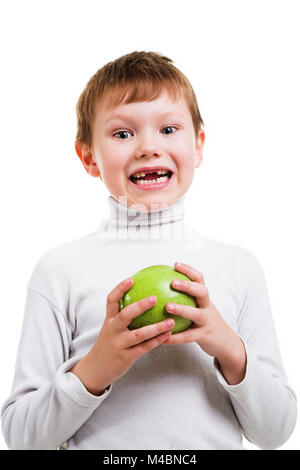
127	281
170	322
178	264
171	306
151	299
176	282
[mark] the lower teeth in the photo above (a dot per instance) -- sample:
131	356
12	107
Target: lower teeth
158	180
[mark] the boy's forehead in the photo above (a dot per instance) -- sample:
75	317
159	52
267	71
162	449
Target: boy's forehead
109	109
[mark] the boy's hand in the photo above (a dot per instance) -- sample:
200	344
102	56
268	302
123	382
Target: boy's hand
209	329
117	347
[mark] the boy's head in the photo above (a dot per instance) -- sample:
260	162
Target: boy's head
138	112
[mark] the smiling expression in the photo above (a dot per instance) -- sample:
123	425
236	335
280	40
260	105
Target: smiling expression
138	135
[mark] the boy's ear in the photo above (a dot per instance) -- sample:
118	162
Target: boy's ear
87	159
199	148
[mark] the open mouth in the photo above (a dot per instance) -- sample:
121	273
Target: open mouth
153	177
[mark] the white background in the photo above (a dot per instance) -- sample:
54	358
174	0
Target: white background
241	57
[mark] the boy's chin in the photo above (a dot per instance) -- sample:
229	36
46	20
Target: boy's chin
151	202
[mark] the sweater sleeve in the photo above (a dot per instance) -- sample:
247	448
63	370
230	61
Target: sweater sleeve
47	404
264	402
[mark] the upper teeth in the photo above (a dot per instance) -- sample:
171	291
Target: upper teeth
159	172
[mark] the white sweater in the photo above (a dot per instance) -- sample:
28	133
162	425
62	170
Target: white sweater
173	397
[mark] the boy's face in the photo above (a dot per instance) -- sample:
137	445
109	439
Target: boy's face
133	136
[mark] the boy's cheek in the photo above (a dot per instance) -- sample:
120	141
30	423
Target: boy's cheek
109	166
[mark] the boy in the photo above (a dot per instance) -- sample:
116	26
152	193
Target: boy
82	377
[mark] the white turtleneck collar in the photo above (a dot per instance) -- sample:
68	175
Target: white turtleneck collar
124	222
127	216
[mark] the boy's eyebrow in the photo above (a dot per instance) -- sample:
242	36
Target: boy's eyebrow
162	115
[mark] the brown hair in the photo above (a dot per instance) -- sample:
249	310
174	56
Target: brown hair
140	75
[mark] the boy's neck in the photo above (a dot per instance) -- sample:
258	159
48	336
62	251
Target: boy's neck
133	217
126	223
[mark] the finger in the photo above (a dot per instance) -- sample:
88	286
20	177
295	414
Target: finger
147	332
188	336
127	314
199	291
147	346
114	297
190	272
186	311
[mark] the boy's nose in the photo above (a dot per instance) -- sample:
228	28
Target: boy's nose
149	153
148	145
148	149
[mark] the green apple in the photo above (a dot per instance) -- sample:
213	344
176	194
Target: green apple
156	280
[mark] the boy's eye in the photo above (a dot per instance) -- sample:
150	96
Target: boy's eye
169	127
121	134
